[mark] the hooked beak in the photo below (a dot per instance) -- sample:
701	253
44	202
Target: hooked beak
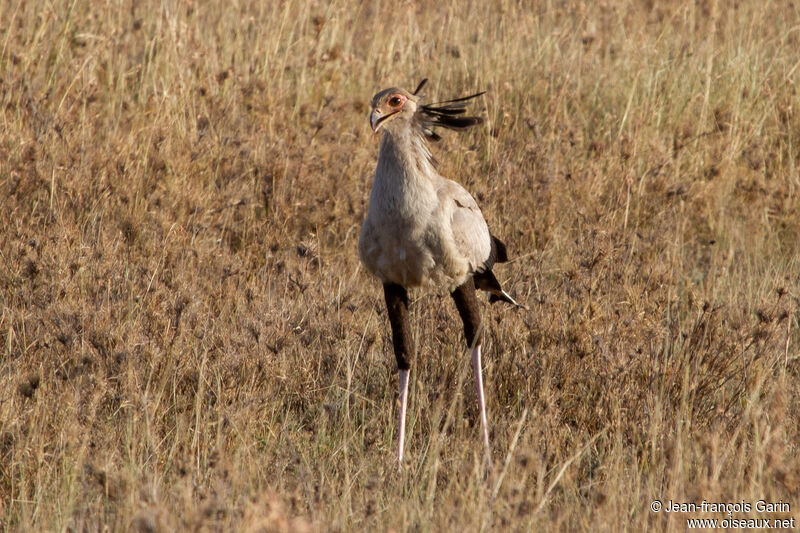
376	119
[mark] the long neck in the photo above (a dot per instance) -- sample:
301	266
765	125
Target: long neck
404	178
404	161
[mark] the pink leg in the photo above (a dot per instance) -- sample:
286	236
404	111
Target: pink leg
476	364
401	437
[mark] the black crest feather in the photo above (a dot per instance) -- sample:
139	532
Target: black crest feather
446	113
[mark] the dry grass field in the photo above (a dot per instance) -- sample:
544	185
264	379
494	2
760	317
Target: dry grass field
188	340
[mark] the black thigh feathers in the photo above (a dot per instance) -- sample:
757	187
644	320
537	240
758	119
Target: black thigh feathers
397	309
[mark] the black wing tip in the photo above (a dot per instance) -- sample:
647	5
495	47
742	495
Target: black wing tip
484	278
499	250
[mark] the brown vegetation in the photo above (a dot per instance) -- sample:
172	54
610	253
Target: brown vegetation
187	340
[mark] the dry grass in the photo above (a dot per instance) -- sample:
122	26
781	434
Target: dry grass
189	342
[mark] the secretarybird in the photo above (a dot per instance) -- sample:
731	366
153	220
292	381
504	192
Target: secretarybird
425	230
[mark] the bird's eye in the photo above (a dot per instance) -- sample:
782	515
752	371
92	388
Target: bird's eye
394	101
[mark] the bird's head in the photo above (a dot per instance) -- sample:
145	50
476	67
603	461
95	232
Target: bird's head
394	107
391	105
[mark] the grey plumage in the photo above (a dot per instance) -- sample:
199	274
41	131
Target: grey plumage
422	229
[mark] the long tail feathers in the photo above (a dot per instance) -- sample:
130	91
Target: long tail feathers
486	281
503	296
